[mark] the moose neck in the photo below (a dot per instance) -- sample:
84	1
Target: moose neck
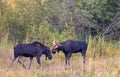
61	48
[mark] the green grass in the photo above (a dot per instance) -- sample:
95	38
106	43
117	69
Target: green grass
101	48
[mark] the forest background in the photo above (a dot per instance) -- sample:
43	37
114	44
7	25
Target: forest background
45	20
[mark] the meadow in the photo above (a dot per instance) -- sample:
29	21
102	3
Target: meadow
107	65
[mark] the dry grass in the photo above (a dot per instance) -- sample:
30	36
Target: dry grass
100	67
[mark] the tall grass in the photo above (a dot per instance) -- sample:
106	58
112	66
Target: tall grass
99	47
102	61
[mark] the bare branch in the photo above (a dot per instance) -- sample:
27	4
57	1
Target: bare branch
113	23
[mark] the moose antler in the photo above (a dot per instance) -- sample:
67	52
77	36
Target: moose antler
53	41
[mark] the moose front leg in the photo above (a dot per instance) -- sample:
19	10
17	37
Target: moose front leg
31	58
38	61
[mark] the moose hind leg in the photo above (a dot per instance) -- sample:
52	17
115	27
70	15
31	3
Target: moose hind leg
67	60
84	56
21	62
11	61
84	59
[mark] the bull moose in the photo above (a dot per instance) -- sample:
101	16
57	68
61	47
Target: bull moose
69	47
35	49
